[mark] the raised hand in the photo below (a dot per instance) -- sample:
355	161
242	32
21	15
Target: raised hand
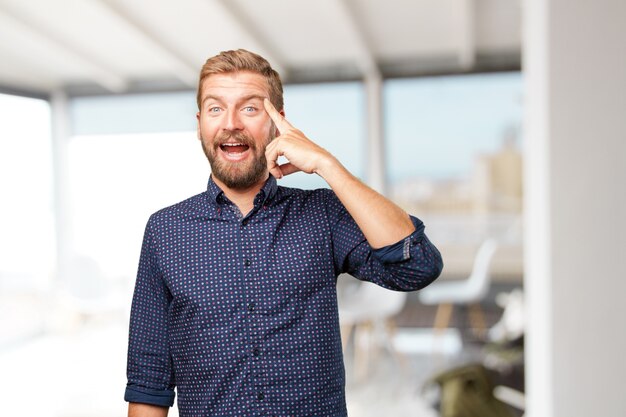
381	221
302	153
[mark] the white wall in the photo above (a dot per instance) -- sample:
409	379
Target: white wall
575	69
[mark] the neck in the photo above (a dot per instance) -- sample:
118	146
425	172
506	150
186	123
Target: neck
243	198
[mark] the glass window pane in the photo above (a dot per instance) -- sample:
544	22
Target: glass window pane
26	224
435	126
454	158
333	116
117	181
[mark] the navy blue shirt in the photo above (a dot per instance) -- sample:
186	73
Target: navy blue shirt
239	314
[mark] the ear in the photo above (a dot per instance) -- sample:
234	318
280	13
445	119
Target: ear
198	126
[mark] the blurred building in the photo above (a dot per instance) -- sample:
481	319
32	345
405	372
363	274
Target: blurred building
497	178
462	212
494	185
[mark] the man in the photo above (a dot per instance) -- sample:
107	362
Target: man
235	301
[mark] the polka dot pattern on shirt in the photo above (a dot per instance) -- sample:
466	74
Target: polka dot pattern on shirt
239	315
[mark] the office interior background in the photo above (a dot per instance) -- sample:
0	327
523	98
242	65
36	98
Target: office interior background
493	121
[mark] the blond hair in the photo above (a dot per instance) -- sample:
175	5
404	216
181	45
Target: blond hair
242	60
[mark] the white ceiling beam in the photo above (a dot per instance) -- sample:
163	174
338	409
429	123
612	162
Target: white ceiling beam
365	57
182	68
96	70
251	29
467	34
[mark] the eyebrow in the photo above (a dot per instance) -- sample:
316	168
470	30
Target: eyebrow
242	99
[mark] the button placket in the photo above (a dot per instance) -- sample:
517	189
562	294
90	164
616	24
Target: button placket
257	373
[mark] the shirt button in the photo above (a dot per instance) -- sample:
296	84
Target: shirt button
256	352
247	262
260	396
251	307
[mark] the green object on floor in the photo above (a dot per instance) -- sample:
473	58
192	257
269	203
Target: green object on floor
467	391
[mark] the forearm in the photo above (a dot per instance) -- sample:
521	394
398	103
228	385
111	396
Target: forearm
146	410
381	221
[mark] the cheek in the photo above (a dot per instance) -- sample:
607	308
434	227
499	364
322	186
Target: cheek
207	130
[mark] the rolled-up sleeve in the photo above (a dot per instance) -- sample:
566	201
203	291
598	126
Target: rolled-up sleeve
149	367
414	262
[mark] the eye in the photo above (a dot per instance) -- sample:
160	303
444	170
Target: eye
214	109
249	109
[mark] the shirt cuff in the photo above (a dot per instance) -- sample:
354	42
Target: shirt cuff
401	251
149	396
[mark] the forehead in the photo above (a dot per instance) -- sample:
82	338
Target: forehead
234	85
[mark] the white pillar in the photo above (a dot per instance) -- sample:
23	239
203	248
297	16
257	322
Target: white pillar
60	135
575	175
375	162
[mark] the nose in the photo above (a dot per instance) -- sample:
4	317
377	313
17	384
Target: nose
232	121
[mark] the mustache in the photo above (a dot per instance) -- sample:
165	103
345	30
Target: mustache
238	137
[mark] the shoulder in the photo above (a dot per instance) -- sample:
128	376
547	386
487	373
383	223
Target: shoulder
192	207
299	195
321	201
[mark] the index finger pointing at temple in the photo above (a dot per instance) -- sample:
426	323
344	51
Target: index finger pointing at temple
279	120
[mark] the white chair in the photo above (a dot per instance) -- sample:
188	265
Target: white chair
368	313
470	291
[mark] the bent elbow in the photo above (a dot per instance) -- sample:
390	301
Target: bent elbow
437	267
433	271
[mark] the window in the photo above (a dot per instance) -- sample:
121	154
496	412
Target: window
117	181
454	152
333	116
454	159
27	223
435	126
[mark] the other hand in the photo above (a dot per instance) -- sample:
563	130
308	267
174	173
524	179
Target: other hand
302	153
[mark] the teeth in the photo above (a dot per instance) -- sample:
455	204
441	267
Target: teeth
232	144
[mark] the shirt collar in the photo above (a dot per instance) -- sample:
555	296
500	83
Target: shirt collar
268	191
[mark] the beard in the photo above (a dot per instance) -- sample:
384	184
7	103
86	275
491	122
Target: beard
237	175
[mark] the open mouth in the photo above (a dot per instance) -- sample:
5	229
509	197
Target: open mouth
234	148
